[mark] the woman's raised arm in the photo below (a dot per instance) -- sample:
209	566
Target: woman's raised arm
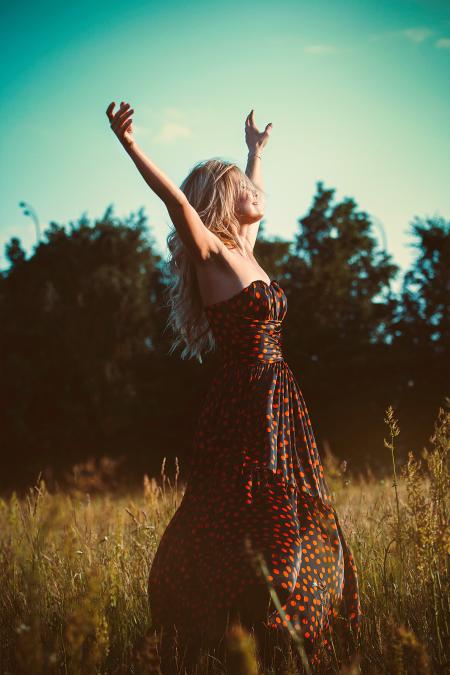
256	141
200	242
156	179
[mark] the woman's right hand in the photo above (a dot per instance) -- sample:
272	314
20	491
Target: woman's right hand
121	123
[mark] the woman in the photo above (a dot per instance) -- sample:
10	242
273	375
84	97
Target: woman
256	482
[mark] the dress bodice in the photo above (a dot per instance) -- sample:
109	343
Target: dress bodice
248	326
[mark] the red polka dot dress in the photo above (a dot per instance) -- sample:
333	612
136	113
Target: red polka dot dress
255	475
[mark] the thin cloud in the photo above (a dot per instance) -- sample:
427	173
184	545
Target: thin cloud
170	131
418	34
320	49
443	43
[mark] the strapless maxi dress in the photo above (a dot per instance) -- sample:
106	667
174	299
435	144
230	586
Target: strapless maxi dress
255	475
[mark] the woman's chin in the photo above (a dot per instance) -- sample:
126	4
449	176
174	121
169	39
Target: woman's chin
251	218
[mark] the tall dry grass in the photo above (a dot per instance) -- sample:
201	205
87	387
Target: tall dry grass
74	565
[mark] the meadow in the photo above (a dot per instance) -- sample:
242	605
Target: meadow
74	564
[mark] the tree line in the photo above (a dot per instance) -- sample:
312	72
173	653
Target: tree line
85	370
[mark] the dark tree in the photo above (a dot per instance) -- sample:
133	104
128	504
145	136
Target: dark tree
76	319
340	312
422	329
423	320
14	252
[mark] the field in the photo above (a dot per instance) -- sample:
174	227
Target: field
74	567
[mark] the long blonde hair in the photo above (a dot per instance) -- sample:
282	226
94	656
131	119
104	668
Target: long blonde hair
212	188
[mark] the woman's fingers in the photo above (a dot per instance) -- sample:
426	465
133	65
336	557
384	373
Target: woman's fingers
123	112
109	110
121	116
121	122
250	119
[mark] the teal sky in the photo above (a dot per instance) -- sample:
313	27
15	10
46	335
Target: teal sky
357	93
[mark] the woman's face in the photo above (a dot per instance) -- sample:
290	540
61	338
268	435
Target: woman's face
250	202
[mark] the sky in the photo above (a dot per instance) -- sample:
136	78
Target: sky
357	93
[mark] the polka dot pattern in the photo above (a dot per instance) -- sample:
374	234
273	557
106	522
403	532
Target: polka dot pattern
255	475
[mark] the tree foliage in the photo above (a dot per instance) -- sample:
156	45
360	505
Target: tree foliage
84	349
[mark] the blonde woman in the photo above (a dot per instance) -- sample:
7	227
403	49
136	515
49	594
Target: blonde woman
256	482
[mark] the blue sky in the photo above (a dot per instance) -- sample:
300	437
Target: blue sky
357	93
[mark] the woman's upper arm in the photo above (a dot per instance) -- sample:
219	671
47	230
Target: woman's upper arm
200	242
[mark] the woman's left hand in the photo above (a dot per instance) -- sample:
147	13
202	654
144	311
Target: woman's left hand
255	139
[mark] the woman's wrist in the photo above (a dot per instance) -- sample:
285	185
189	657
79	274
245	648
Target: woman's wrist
254	153
129	147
